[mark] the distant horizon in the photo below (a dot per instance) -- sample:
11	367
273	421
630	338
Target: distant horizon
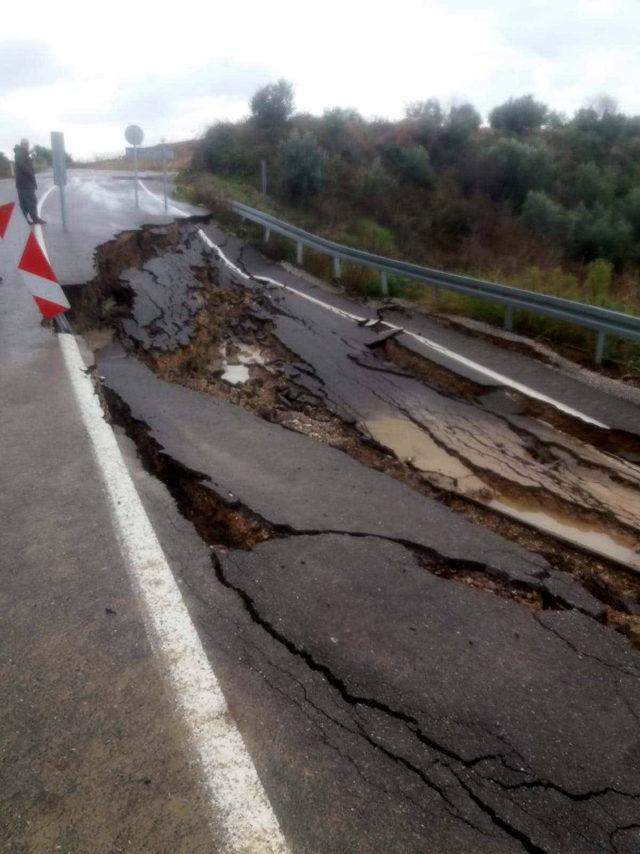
175	79
446	105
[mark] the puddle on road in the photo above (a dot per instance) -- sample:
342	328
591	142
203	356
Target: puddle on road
414	446
621	549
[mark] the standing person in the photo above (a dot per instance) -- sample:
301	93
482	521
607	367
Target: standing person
26	183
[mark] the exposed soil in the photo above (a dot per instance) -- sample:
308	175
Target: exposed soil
232	318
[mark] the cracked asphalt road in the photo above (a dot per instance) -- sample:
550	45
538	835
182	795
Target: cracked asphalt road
405	678
406	712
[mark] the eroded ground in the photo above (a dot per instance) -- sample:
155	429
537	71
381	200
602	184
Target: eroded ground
345	484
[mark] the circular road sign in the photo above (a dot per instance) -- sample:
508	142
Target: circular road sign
134	135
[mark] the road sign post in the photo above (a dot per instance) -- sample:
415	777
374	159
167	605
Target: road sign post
158	154
134	136
59	162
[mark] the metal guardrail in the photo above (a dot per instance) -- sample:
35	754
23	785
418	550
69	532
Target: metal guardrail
601	320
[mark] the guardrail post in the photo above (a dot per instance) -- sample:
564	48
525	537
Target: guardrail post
599	346
299	254
508	318
384	284
337	271
267	234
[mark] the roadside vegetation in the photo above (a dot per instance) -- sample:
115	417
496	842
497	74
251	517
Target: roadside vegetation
534	199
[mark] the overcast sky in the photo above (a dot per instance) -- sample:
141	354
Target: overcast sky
89	69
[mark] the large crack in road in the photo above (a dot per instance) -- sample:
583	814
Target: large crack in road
464	712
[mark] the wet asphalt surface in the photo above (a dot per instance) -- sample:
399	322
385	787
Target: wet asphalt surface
386	708
421	714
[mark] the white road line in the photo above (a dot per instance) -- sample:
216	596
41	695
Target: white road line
44	198
37	229
426	342
157	198
438	348
239	808
239	803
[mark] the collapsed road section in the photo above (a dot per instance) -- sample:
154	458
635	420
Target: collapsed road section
426	573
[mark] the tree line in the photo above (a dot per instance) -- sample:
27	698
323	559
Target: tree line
531	183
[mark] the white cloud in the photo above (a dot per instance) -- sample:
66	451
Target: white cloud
177	70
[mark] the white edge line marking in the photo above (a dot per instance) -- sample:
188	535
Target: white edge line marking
238	801
37	229
438	348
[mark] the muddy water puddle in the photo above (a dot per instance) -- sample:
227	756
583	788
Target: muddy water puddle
414	446
619	548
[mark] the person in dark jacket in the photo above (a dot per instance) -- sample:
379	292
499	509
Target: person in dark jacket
26	183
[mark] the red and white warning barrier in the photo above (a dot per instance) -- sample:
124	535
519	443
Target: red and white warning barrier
31	261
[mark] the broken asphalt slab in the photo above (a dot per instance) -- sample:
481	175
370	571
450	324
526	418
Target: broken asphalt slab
508	730
296	484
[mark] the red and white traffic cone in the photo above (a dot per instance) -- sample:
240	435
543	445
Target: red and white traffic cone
35	269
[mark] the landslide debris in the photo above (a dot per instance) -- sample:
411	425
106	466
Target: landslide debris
175	305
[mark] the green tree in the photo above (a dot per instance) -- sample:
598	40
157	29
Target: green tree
425	118
601	233
631	209
519	115
340	132
546	218
411	164
272	105
227	150
300	161
5	166
590	185
42	155
462	121
513	168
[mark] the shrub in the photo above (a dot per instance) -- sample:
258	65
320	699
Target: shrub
591	186
600	233
519	115
226	149
513	168
546	218
5	166
272	105
411	164
300	163
597	284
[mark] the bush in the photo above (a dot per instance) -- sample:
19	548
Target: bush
513	168
5	166
377	187
300	162
546	218
412	164
591	186
340	132
272	105
598	282
519	115
462	121
227	149
631	209
600	234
